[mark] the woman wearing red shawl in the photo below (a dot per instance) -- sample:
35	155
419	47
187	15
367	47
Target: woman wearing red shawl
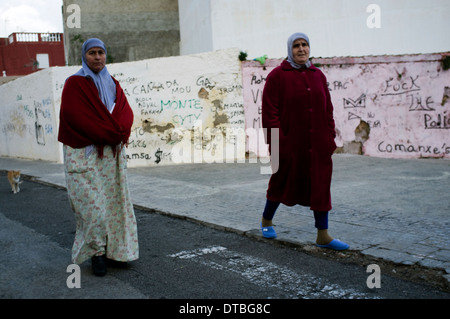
296	101
95	124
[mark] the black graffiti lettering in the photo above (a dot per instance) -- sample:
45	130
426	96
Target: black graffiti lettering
257	97
416	103
413	82
257	80
135	156
410	148
446	149
158	154
338	85
441	121
137	143
402	87
205	82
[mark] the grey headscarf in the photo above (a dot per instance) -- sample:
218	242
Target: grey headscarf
103	81
290	42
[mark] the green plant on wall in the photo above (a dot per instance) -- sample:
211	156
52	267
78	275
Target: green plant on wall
109	59
77	38
75	44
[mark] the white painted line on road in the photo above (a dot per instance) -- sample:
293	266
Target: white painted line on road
267	274
197	252
444	175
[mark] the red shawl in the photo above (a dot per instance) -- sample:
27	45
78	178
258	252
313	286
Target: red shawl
85	120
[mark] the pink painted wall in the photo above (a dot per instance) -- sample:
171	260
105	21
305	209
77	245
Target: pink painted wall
402	102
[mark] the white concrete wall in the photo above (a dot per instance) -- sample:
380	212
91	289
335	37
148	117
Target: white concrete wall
335	27
186	109
206	108
29	115
404	100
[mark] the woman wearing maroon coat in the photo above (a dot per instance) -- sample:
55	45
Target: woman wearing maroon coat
95	124
296	100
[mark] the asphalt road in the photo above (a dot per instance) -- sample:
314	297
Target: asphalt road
179	259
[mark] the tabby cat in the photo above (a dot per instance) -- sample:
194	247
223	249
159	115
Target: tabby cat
14	180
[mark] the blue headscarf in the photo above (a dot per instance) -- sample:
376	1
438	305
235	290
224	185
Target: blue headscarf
103	80
290	42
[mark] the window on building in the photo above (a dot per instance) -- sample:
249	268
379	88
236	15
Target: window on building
42	60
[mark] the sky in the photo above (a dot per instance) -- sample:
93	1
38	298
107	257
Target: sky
30	16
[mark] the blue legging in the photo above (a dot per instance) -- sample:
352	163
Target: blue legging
320	218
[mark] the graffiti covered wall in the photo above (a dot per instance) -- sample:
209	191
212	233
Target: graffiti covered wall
28	120
207	108
186	109
386	106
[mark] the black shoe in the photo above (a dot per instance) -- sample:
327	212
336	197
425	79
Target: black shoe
116	264
99	265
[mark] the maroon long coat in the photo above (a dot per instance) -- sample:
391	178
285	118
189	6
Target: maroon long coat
298	102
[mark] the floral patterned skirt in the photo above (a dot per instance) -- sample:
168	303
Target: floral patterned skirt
99	196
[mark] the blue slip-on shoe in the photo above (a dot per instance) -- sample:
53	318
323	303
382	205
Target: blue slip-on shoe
335	244
268	232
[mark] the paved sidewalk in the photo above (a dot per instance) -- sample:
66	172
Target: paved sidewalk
389	209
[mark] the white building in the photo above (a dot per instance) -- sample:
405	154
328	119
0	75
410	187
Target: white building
335	27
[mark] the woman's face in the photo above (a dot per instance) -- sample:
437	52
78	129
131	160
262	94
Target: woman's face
96	59
300	51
